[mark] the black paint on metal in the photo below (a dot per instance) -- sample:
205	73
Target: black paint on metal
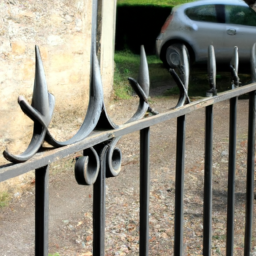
99	197
231	176
102	158
40	112
250	175
179	186
87	167
41	211
207	219
43	158
144	191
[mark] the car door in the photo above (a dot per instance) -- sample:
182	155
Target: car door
207	30
240	26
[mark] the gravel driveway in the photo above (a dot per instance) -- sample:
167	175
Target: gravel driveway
70	220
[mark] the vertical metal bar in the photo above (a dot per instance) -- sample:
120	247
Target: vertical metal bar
207	233
144	191
41	210
250	175
94	25
99	196
231	177
99	29
179	186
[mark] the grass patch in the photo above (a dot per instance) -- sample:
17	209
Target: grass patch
199	85
127	65
219	237
4	199
164	3
54	254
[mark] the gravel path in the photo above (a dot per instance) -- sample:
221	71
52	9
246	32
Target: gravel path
70	220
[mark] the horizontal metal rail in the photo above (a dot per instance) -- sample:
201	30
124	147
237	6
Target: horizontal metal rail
44	158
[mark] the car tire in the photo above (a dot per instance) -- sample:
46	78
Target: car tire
172	55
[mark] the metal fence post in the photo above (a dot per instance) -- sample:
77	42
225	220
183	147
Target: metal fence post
231	177
41	210
179	186
207	221
144	191
250	175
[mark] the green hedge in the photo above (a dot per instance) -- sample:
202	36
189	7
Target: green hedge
137	25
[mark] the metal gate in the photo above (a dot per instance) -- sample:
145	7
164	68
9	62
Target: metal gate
98	136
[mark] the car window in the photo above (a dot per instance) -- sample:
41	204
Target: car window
202	13
240	15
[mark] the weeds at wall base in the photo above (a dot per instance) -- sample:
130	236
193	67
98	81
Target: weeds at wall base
4	199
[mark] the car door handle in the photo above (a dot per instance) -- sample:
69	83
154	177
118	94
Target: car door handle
231	31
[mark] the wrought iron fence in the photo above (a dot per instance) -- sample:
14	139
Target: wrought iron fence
98	137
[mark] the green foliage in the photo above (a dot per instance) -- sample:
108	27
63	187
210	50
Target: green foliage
164	3
54	254
4	199
219	237
127	65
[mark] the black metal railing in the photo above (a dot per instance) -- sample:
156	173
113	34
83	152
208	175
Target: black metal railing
99	135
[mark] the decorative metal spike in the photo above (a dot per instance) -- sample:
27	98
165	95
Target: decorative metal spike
137	88
94	109
143	78
211	65
235	59
234	69
40	112
184	66
182	81
253	63
40	93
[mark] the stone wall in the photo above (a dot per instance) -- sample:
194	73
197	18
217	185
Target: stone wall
61	28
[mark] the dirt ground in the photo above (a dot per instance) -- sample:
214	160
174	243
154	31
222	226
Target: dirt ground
70	221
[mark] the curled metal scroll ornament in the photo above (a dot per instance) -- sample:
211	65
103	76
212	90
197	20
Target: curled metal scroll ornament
40	111
87	167
182	80
253	63
83	168
211	66
234	69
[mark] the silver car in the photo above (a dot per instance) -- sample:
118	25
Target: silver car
223	24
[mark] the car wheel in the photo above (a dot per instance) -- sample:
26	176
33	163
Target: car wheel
172	55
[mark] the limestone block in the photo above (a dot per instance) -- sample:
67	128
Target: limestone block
5	46
56	20
77	44
61	61
75	77
28	70
44	52
18	48
54	40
